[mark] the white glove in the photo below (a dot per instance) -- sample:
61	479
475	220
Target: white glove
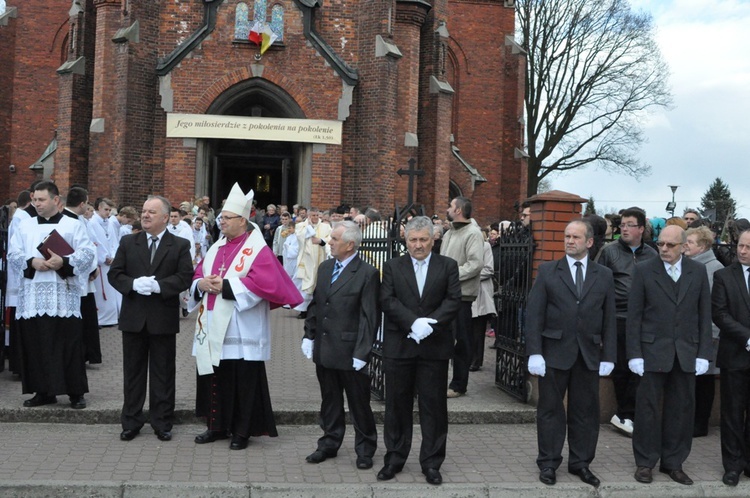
537	365
307	348
142	285
605	368
155	289
747	346
701	366
421	328
636	366
309	231
358	364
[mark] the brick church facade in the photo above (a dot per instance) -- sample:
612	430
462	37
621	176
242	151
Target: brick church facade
86	87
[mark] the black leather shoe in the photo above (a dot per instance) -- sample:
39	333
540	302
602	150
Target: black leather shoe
388	472
731	478
364	462
163	435
586	476
432	476
77	402
547	476
238	443
643	474
474	368
39	400
677	475
302	315
210	436
318	456
184	312
129	434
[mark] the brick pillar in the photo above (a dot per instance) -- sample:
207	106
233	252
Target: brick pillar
106	137
7	60
550	214
410	16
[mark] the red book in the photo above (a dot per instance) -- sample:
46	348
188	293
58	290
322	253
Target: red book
56	243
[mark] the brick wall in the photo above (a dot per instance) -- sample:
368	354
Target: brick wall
7	62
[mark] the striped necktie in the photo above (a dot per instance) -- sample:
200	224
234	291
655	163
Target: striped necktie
336	271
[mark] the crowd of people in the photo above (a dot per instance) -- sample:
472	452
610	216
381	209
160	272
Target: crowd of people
648	302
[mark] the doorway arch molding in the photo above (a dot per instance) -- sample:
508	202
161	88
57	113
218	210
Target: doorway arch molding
225	91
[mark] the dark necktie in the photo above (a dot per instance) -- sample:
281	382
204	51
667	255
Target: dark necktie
336	271
579	278
748	281
154	240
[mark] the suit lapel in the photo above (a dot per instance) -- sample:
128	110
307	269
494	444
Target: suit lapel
664	280
564	271
685	280
407	270
739	277
592	272
346	275
162	249
141	242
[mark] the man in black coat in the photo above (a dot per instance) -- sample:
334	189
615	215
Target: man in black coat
668	344
420	296
571	339
150	270
731	313
340	327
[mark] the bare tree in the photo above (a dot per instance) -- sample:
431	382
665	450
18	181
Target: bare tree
593	71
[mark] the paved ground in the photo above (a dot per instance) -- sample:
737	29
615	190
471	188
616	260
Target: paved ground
56	451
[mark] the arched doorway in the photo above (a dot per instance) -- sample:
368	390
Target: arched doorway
278	172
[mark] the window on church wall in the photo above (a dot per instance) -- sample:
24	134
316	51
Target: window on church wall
243	23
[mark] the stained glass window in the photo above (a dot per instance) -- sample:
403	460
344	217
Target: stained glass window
277	21
259	10
242	22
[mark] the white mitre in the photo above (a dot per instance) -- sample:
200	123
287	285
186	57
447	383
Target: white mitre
237	202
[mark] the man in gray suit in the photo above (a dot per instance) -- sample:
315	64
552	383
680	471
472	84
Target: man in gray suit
668	343
731	313
571	339
340	327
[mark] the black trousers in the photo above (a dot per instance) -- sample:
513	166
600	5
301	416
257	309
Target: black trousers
664	408
148	357
464	348
405	377
582	420
333	384
478	331
735	430
625	382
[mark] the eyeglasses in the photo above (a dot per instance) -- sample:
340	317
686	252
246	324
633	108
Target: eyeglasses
229	218
670	245
629	225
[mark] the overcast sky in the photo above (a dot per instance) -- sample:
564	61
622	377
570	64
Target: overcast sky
706	135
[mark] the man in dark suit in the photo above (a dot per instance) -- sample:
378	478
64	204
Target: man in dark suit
420	296
340	327
731	313
668	343
150	270
571	339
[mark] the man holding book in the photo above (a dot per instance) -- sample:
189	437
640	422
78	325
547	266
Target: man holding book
53	256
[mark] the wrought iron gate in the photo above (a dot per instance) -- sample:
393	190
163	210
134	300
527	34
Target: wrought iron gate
515	254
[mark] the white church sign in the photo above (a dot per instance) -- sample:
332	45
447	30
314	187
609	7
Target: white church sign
248	128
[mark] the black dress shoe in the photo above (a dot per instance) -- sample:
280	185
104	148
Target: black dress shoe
77	402
474	368
129	434
163	435
388	472
731	478
302	315
364	462
643	474
677	475
39	400
318	456
184	312
210	436
547	476
238	443
432	476
586	476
